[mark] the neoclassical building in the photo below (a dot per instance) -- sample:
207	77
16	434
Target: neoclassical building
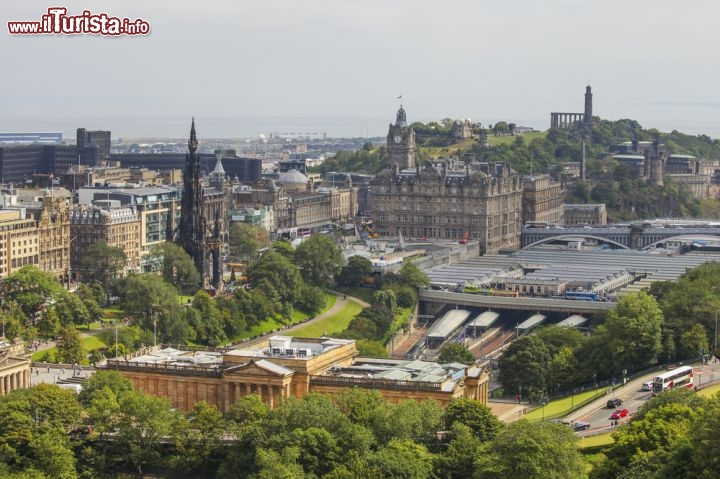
445	199
14	367
283	367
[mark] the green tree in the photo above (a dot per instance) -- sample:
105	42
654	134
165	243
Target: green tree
31	289
523	366
152	302
357	268
312	299
88	297
274	271
534	450
474	415
115	382
647	441
102	263
401	459
144	423
458	460
455	353
245	240
634	332
319	260
49	323
413	276
176	265
694	341
70	349
198	438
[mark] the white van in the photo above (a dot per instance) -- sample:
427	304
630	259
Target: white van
647	386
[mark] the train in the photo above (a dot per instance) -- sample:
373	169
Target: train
490	291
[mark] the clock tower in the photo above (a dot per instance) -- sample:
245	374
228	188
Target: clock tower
401	142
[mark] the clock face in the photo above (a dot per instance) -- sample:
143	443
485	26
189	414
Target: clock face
398	138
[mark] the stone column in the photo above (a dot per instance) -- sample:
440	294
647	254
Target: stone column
271	396
2	386
28	378
226	398
237	392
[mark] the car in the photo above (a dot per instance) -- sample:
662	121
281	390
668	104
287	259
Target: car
613	403
560	421
647	386
619	414
580	425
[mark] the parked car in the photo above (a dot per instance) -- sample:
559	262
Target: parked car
619	414
647	386
560	421
613	403
580	425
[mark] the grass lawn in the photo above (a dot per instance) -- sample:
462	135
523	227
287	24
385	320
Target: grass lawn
366	294
332	324
91	343
562	407
298	315
506	140
273	324
596	441
710	390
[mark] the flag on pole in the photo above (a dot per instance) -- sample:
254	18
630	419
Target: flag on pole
400	97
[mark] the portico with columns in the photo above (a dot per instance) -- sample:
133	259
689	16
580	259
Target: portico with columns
14	368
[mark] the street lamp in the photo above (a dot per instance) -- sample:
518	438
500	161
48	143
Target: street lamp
715	338
595	382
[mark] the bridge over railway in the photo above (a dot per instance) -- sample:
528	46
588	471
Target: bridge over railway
635	236
435	300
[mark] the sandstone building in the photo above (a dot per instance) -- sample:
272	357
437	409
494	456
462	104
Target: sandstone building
283	367
445	199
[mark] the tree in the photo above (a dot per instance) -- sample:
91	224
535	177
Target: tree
245	240
532	450
523	365
319	260
401	459
31	289
49	323
412	276
144	423
455	353
474	415
152	302
177	266
312	299
198	440
277	272
634	332
357	268
102	263
70	349
694	341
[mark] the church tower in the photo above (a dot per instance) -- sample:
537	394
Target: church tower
401	142
192	224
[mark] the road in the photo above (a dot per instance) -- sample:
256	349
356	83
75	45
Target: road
598	414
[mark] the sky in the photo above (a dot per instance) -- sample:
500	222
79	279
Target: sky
244	67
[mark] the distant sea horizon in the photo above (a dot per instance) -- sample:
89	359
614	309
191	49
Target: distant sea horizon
692	119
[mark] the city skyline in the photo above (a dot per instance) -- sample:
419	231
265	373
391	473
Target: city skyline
255	68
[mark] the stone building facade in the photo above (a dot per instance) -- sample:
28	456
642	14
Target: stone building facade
585	214
19	241
119	226
446	199
283	367
14	367
542	200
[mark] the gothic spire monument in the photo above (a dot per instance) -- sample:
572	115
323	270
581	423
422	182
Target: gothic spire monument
202	217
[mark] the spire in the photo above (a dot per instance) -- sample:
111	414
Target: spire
192	143
219	170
